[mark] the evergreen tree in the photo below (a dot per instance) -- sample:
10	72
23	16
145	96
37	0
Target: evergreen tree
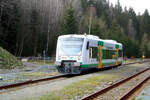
118	11
96	29
132	16
145	23
20	27
115	31
11	24
84	4
70	24
144	45
84	26
34	28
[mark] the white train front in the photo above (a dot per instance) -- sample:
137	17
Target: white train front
76	53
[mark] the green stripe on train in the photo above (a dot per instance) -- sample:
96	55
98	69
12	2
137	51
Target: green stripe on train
117	46
95	65
88	65
100	43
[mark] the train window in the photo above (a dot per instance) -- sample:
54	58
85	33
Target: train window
106	54
87	46
120	53
93	52
109	54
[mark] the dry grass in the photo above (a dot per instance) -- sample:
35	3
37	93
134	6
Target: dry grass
77	89
38	74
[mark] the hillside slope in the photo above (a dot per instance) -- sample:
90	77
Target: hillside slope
7	60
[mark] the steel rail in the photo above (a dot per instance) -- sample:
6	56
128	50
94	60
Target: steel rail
30	82
128	94
103	91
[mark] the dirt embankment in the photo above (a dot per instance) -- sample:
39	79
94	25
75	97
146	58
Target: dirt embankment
7	60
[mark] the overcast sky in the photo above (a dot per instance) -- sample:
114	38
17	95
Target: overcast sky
137	5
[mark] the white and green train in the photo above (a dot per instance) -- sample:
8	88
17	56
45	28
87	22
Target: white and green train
76	53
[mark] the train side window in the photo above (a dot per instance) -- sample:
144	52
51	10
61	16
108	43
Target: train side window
87	46
93	52
120	53
108	54
90	51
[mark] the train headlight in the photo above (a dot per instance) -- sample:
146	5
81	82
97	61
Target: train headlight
58	63
76	63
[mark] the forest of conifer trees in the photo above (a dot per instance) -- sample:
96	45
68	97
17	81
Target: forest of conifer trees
29	27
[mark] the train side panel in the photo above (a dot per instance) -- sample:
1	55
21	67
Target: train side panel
108	57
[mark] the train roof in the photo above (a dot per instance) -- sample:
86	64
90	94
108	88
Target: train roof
112	41
90	37
81	36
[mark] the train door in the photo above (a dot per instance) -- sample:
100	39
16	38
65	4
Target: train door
100	45
117	50
92	52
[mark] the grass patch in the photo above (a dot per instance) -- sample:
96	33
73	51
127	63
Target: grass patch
77	88
131	61
33	74
38	74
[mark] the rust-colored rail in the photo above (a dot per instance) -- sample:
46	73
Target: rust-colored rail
102	91
30	82
128	94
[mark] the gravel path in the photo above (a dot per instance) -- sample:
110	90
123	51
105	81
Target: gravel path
31	71
41	89
27	66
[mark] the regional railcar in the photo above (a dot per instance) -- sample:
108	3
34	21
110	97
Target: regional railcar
76	53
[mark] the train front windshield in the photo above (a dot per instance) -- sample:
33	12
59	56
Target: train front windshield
70	46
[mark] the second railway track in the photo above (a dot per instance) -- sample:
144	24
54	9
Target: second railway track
112	92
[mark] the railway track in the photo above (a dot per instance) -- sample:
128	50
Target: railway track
136	62
30	82
127	95
40	80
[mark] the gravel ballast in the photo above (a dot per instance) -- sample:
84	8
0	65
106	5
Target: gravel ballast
40	90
